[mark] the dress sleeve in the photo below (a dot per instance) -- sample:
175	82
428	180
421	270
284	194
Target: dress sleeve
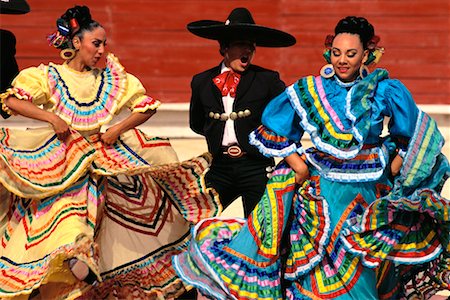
34	81
402	110
281	132
135	97
418	139
30	84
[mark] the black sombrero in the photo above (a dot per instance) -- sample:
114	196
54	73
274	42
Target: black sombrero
14	7
241	26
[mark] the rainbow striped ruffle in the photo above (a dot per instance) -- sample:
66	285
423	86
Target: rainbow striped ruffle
90	115
86	200
155	210
272	145
289	248
41	235
368	165
16	92
42	166
231	257
328	132
221	266
424	165
407	240
133	153
416	228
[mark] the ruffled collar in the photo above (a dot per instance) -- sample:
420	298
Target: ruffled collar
96	110
346	84
321	119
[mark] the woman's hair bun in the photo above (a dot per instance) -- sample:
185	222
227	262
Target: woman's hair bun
74	20
79	13
356	25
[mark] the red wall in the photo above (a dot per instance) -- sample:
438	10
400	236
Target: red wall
151	40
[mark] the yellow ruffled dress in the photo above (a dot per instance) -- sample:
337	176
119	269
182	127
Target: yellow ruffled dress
124	209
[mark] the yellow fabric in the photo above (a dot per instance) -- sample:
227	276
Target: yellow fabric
31	170
128	207
35	81
134	93
65	199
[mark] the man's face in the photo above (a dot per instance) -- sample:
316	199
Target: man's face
238	55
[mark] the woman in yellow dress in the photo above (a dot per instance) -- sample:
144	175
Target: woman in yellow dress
86	212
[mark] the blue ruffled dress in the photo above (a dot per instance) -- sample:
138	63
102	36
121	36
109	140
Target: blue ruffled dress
352	231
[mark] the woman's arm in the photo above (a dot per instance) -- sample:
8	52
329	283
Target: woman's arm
29	110
296	162
135	119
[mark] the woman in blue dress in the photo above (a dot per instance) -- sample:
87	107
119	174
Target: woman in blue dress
357	216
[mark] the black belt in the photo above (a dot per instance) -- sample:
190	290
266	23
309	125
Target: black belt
233	151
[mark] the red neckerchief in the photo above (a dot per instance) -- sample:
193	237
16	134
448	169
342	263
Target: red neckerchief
227	83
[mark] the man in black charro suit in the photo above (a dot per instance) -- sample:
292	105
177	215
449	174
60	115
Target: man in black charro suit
227	103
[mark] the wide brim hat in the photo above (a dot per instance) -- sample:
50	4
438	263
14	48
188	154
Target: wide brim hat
14	7
241	26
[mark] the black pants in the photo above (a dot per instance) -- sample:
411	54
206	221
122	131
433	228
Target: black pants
245	176
191	295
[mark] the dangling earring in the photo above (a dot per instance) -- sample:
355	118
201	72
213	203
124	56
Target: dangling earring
363	71
327	55
67	53
327	71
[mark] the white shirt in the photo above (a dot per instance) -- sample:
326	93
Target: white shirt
229	134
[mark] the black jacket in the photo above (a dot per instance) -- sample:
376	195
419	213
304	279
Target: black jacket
256	88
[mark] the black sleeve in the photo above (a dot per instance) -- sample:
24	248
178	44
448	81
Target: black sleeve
196	111
278	86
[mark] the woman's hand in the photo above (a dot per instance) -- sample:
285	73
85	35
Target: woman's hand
135	119
396	165
299	166
60	127
28	109
301	174
111	135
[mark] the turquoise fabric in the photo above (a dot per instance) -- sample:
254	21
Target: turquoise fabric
389	99
352	231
